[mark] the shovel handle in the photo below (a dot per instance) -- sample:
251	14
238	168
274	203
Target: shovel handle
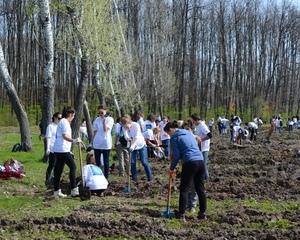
169	192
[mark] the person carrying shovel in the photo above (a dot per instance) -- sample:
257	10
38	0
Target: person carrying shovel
184	146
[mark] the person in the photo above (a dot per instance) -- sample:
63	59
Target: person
203	136
185	147
137	145
252	128
149	123
50	137
164	137
93	176
150	142
62	151
211	124
219	123
121	145
83	130
290	124
102	142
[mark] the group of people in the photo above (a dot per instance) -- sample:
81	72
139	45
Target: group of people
134	137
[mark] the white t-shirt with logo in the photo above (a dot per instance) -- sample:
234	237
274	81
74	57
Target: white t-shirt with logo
148	125
51	136
94	178
148	134
135	134
202	131
61	145
103	140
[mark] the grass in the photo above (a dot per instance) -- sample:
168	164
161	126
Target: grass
269	206
35	234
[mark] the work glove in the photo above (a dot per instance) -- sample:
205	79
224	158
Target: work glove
77	140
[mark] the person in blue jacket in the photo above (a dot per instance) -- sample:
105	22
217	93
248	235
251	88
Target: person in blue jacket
184	147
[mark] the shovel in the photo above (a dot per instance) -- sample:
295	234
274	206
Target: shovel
84	191
168	213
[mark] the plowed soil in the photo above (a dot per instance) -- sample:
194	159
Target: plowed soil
241	178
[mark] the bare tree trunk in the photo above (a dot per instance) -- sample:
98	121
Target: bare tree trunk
88	121
83	83
16	104
48	80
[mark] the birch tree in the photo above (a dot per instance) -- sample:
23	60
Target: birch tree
16	104
48	80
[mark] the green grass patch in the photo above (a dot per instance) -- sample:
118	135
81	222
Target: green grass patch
25	207
35	234
282	224
269	206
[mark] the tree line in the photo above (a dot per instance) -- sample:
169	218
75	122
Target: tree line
225	55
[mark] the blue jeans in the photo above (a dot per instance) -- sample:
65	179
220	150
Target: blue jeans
105	153
166	144
205	159
144	159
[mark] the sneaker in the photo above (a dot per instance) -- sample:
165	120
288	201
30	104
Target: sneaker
192	210
75	192
180	216
202	216
59	194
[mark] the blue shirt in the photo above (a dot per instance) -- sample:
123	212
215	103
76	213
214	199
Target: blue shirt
184	147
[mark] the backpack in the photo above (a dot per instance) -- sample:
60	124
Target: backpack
17	148
122	139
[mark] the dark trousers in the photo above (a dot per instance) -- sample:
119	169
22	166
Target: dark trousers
253	133
105	165
192	173
51	163
61	160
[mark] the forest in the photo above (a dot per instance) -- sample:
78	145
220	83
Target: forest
165	57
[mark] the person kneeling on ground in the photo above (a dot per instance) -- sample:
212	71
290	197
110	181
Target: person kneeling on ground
93	176
185	147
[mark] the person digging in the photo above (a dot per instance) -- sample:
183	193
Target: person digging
184	146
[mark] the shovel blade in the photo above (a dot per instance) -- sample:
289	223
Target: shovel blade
168	213
127	189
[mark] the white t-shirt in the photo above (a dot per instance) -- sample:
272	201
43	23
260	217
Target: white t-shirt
252	125
202	131
236	131
94	178
148	134
148	125
135	134
163	134
51	136
61	145
290	122
103	140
